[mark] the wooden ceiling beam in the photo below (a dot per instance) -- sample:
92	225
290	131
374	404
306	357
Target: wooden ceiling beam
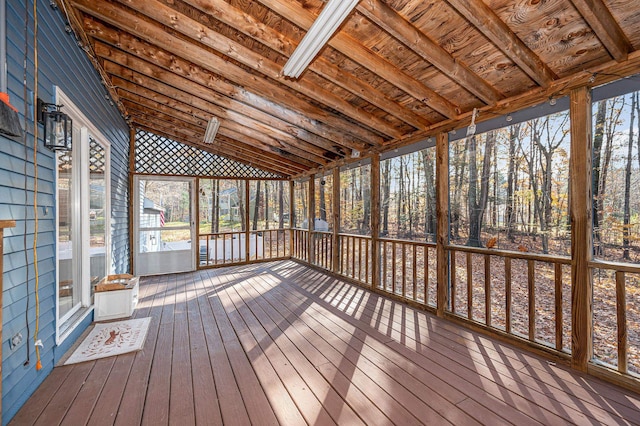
178	99
358	53
488	23
173	83
265	143
153	32
174	135
396	25
179	110
258	140
604	25
128	44
261	33
192	75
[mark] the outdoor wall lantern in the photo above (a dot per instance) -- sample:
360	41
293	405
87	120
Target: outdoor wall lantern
57	126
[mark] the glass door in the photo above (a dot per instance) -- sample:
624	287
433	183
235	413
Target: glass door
164	226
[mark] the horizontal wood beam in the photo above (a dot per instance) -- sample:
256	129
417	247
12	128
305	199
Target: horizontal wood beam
244	135
156	34
174	83
396	25
358	53
126	44
259	32
604	25
199	118
488	23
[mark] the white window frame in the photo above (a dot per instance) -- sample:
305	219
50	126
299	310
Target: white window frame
83	129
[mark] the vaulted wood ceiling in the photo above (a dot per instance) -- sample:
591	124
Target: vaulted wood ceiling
397	71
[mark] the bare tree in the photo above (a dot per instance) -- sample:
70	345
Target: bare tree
627	182
478	197
514	134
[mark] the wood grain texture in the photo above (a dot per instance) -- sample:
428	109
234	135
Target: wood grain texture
280	343
581	246
442	215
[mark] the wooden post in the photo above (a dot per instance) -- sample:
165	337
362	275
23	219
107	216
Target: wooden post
335	237
292	243
442	214
131	192
311	219
375	220
581	245
247	223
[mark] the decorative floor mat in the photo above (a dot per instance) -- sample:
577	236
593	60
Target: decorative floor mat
110	339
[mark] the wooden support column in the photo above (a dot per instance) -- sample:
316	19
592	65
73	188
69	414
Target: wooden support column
247	222
581	245
335	237
311	218
131	192
442	214
292	211
375	220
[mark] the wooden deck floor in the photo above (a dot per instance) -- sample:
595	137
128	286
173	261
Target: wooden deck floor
279	343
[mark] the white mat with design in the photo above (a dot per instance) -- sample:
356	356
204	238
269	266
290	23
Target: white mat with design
110	339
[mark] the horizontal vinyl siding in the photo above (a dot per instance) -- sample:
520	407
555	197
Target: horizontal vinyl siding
61	63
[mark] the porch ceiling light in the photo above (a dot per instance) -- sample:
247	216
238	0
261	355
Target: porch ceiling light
212	130
58	126
331	17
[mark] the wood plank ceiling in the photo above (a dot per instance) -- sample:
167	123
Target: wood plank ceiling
397	71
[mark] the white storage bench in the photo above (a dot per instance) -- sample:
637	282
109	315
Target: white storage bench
116	296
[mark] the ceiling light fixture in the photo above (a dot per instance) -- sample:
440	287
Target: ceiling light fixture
331	17
212	130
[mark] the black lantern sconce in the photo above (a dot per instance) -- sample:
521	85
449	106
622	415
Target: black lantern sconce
57	126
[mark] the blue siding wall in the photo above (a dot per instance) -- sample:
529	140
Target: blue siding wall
61	63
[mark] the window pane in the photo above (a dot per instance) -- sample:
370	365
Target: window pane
97	212
616	178
355	200
408	196
268	204
324	203
301	199
221	206
68	288
509	187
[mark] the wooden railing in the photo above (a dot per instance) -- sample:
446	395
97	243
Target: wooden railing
322	249
408	269
225	248
355	257
521	294
300	244
616	290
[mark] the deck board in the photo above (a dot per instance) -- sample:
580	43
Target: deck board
280	343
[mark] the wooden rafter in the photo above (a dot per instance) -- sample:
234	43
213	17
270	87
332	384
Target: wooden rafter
363	56
420	43
117	15
596	13
268	36
488	23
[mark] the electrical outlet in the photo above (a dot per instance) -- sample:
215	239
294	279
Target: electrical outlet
15	341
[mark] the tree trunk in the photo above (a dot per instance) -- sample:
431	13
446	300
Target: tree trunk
386	188
627	183
241	203
266	205
598	136
478	197
514	133
430	186
281	211
256	208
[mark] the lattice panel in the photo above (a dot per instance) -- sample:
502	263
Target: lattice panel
96	157
161	156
